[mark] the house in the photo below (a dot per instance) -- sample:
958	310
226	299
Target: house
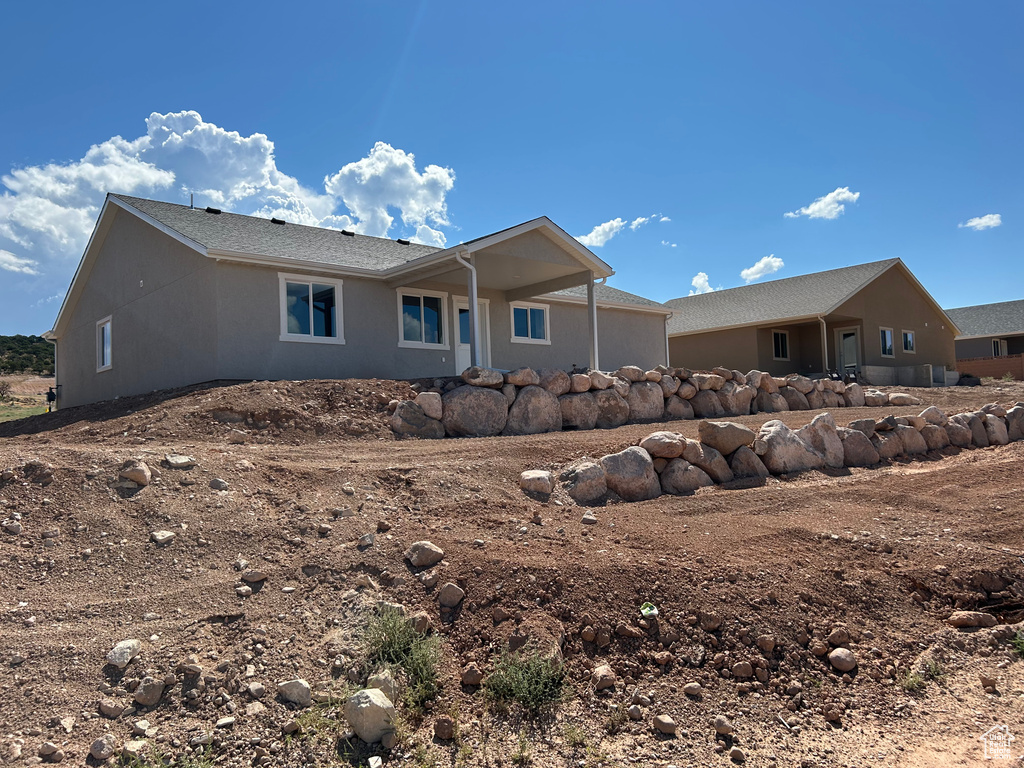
169	295
875	319
991	340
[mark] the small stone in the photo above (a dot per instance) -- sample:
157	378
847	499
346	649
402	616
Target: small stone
444	728
451	595
366	540
149	692
253	576
178	461
323	529
589	518
968	619
742	669
842	659
103	748
296	691
537	481
257	690
722	726
692	689
122	653
226	722
162	538
635	713
243	590
219	485
472	675
736	755
665	724
603	677
384	681
110	708
423	554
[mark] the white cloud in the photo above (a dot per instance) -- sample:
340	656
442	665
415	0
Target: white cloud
988	221
12	263
664	218
602	233
766	266
670	245
49	300
700	284
828	207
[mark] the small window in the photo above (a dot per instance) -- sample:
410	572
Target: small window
530	323
103	345
998	347
887	350
908	342
421	319
780	345
311	310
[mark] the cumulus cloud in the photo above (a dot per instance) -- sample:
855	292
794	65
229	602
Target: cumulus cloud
602	233
828	207
670	245
766	266
988	221
664	218
49	210
700	284
49	300
17	264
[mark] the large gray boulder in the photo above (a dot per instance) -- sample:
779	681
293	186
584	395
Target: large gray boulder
663	445
724	436
979	436
410	419
706	405
933	415
782	450
669	385
815	400
996	430
535	410
708	459
754	378
867	426
474	412
745	463
853	397
579	411
736	398
888	444
630	473
795	399
1015	423
370	714
599	380
681	477
621	386
522	377
801	384
686	390
478	376
958	434
646	402
676	409
585	482
875	399
857	448
430	402
554	381
903	398
935	437
579	382
821	435
631	373
612	410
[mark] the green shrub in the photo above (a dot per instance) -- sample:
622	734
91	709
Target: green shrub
392	642
913	682
1018	643
527	679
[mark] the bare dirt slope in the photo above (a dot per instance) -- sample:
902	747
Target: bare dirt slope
879	556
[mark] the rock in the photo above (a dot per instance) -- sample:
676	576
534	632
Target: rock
665	724
933	415
887	444
911	441
677	409
472	675
725	436
630	373
612	409
410	419
994	408
585	482
110	708
621	387
723	727
162	538
474	412
444	728
579	382
603	677
874	399
420	620
725	373
478	376
736	755
384	681
857	448
754	378
13	527
686	390
600	380
257	690
822	436
534	411
742	669
979	435
103	748
935	437
225	722
1015	423
706	405
996	430
243	590
842	659
423	554
681	477
451	595
538	481
370	714
178	461
799	383
665	445
253	576
708	459
669	386
522	377
149	692
967	619
745	463
867	426
510	391
692	689
630	474
903	398
959	434
554	381
137	472
708	381
124	652
796	401
579	411
589	518
296	691
736	398
815	400
782	450
853	397
430	402
635	713
645	402
218	484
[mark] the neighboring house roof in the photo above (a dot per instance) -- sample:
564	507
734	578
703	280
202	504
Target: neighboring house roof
793	298
1004	318
605	294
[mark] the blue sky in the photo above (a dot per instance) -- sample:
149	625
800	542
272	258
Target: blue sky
446	121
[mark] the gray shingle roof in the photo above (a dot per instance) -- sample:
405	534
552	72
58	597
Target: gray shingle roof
607	293
1002	318
259	237
814	294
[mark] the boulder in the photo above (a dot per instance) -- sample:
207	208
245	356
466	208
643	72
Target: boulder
554	381
523	377
933	415
669	385
968	619
535	410
676	409
903	398
875	399
370	714
478	376
867	426
888	445
704	381
579	411
994	408
612	410
979	435
681	477
1015	423
801	384
935	437
821	435
782	450
646	403
815	400
510	391
579	382
630	473
724	436
585	482
996	430
739	378
385	682
423	554
706	405
602	677
745	463
136	472
665	445
652	375
857	448
621	386
410	419
853	397
430	402
958	434
725	373
474	412
833	399
600	380
708	459
917	422
538	481
754	378
795	399
686	390
736	398
630	373
149	691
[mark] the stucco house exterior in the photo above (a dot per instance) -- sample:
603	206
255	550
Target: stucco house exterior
874	319
168	295
991	340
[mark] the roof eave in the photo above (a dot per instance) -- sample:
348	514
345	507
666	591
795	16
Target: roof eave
607	304
755	324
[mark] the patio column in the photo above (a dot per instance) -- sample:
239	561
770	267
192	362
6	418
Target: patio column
824	343
592	322
475	350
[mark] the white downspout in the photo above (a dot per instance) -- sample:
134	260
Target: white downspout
592	320
475	351
824	342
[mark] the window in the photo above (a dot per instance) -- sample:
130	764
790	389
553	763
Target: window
780	345
998	347
908	342
103	345
311	310
421	318
887	350
530	323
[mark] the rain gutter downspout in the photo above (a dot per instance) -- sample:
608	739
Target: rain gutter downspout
474	341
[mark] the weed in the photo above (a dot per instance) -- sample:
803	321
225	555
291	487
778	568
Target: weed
526	678
575	736
392	641
913	682
424	757
1018	643
158	759
933	670
616	721
521	756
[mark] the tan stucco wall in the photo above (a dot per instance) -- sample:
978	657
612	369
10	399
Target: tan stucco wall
732	349
967	348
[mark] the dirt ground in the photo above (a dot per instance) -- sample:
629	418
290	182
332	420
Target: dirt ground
883	554
26	397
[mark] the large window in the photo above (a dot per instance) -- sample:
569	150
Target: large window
908	342
780	345
311	310
421	318
530	324
103	345
886	341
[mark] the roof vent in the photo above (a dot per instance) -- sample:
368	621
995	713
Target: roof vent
346	232
277	221
212	210
400	241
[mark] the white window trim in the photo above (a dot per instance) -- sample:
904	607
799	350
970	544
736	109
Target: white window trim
339	312
99	346
513	306
399	292
903	343
788	353
881	348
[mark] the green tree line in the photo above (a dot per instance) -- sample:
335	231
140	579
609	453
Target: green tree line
25	354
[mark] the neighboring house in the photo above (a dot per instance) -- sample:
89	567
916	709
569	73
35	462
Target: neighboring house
167	295
991	340
875	319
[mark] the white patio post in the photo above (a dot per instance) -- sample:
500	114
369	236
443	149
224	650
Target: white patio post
592	322
475	350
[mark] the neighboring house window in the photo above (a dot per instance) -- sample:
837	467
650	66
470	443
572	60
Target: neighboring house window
311	310
421	318
780	345
998	347
887	350
103	345
908	342
530	323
